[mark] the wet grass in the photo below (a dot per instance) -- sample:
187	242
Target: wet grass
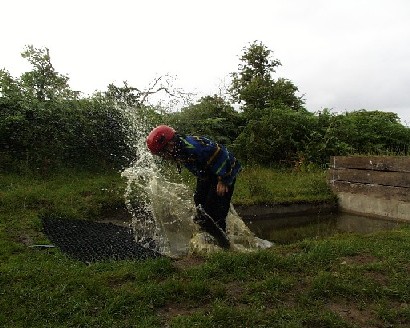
346	280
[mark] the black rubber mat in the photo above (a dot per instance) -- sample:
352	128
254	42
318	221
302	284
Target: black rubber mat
90	241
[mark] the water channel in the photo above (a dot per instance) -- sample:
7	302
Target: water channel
162	211
289	229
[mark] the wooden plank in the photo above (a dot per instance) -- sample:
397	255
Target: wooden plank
377	163
385	192
395	179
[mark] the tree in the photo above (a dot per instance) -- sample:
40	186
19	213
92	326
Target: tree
43	82
130	96
9	87
254	85
277	138
13	120
376	132
44	125
211	116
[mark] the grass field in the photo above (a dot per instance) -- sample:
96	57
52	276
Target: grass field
346	280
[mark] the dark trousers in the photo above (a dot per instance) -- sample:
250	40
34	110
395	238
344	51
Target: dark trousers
216	208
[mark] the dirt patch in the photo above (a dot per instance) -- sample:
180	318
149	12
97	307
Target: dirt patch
377	277
363	259
117	282
187	262
288	250
364	318
25	239
174	310
359	259
235	290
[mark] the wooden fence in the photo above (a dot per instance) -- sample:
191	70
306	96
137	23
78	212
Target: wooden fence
372	185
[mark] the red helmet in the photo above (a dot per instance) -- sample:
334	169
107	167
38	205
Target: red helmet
159	137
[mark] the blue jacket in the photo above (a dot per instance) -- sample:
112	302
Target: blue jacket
203	158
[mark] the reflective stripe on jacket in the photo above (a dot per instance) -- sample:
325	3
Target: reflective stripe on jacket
203	157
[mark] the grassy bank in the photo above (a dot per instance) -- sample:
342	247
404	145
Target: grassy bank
266	186
343	281
258	185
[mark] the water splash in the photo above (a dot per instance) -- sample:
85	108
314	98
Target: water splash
162	219
163	211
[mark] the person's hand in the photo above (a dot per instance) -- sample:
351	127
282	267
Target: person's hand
221	188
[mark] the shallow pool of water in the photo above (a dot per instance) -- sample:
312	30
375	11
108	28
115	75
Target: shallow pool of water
294	228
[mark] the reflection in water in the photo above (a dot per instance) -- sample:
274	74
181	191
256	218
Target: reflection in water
294	228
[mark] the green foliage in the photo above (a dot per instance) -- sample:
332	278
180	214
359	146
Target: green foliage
43	82
212	116
12	116
253	83
43	123
325	139
277	137
255	87
60	133
376	132
279	130
358	132
300	139
125	96
9	88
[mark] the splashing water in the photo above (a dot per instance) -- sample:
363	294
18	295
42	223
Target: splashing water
163	218
163	211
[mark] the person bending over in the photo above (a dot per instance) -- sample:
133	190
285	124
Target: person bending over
214	166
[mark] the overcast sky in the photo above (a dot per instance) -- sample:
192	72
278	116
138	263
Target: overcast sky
342	54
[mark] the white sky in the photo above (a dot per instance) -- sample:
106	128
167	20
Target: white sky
342	54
